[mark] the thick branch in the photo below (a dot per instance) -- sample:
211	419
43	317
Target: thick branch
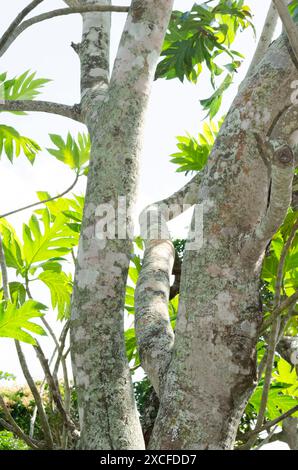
4	45
72	112
282	173
289	24
154	333
155	337
265	39
186	196
115	151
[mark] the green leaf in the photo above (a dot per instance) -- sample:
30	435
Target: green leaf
60	286
24	87
277	404
72	153
130	343
199	36
13	320
13	143
194	153
12	247
44	239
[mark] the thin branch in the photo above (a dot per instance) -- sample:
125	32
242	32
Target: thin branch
267	439
275	421
22	360
71	112
265	39
56	393
273	339
3	271
44	201
55	13
52	379
287	303
19	18
61	345
289	25
12	426
51	332
43	417
41	390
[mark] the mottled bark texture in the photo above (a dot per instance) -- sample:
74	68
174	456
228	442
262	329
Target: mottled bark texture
213	362
155	336
114	113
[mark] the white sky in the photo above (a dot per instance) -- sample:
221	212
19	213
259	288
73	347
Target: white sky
174	109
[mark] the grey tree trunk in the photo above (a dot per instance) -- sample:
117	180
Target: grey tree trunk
205	374
213	367
114	117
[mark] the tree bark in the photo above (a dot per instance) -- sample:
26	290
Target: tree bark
213	366
114	113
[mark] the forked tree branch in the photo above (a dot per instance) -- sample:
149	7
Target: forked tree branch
71	112
18	19
16	31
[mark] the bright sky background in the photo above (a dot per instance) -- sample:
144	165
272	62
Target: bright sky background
174	109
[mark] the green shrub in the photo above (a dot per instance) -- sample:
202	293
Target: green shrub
9	442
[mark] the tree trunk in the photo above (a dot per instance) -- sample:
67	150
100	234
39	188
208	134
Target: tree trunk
213	367
115	120
205	375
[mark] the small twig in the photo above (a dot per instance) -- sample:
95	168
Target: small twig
44	201
61	345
